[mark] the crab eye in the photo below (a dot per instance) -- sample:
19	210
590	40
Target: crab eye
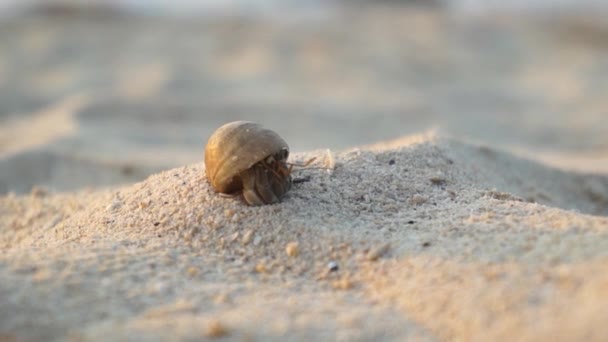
284	153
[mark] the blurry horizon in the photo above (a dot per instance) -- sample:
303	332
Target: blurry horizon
220	7
93	95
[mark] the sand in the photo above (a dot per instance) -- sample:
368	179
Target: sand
433	239
466	196
100	101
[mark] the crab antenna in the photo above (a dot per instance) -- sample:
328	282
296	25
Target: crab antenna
308	162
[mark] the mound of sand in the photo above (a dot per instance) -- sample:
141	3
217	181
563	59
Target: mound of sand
428	238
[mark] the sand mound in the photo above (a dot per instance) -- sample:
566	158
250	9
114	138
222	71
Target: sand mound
431	238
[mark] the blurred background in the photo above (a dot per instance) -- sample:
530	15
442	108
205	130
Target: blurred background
101	93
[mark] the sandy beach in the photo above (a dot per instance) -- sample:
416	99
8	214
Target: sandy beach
459	190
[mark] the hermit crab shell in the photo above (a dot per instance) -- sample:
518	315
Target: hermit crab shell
236	147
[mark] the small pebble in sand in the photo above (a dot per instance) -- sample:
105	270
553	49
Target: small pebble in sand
216	329
192	271
257	240
247	237
343	283
332	266
437	180
234	237
418	200
375	253
114	205
292	249
260	267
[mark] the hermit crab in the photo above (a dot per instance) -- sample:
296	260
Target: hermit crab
243	157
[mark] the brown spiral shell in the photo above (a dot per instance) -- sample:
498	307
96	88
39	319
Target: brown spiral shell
237	159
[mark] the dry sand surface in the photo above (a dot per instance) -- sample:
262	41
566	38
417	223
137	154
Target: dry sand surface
100	100
502	235
433	238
